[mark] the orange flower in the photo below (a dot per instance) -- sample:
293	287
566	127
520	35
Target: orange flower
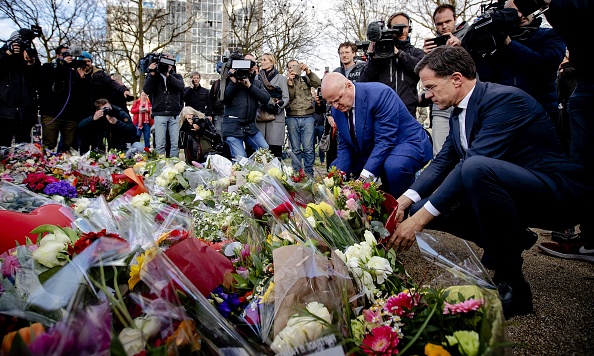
435	350
185	335
25	334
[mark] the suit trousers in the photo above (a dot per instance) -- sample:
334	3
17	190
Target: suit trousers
500	200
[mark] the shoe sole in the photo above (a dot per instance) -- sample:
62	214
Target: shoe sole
569	256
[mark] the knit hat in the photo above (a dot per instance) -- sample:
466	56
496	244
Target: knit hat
86	55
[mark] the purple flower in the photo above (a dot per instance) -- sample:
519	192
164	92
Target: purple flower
61	188
10	266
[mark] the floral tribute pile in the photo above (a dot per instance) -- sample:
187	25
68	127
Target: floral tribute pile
247	258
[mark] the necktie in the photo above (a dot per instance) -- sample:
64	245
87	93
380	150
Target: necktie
458	129
352	128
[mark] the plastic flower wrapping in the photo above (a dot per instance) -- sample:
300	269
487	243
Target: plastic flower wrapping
148	255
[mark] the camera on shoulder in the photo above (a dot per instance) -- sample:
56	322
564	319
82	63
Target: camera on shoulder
384	38
163	63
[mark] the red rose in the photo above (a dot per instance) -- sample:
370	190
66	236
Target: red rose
283	208
258	211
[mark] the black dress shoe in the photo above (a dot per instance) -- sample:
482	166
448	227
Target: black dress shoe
515	299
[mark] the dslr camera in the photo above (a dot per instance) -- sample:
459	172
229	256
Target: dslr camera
384	38
108	111
163	63
24	39
207	130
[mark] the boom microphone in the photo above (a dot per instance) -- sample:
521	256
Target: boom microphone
76	51
374	31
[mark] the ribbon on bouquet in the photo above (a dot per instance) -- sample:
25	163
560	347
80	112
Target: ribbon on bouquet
131	177
390	206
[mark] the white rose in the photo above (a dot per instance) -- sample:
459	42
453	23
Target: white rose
275	172
380	267
329	182
340	255
162	182
289	171
360	251
131	340
81	205
369	238
149	326
319	310
180	167
255	177
354	265
47	253
288	338
58	198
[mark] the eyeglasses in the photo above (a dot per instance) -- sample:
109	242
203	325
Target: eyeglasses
432	87
337	99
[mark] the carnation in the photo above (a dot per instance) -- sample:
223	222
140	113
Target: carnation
462	307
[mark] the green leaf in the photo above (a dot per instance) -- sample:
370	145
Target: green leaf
43	277
41	229
116	348
71	234
257	262
18	347
240	280
184	183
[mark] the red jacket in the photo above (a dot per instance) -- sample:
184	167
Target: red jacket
135	111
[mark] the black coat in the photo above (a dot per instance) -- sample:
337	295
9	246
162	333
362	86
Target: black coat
93	133
59	91
197	98
98	85
18	87
397	72
241	104
166	99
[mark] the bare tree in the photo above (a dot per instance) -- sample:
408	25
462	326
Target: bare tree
133	30
63	21
286	28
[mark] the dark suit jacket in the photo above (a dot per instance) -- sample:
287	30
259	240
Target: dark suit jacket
505	123
383	127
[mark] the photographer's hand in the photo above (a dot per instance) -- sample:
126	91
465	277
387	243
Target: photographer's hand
305	68
453	40
232	77
246	82
152	68
111	120
81	72
98	115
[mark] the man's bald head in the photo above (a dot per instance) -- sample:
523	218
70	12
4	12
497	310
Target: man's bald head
338	91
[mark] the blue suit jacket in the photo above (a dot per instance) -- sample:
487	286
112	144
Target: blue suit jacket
383	127
505	123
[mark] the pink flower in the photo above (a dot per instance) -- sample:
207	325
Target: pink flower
395	304
381	341
372	315
351	204
343	214
10	266
243	272
462	307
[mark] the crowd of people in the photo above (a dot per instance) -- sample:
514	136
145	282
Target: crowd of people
507	152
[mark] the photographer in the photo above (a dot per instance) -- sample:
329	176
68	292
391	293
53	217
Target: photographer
109	127
19	72
348	66
97	84
59	88
244	93
527	57
199	137
398	70
196	96
165	88
300	120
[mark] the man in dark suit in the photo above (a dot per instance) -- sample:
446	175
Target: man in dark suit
501	169
387	141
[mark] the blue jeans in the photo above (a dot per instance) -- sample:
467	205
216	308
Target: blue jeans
162	123
301	135
318	133
236	144
145	131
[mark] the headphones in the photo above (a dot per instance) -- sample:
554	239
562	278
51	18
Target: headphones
400	13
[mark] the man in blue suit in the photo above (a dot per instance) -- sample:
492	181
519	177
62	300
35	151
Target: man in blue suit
378	136
501	169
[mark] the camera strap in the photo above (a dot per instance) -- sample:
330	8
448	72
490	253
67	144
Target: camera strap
67	98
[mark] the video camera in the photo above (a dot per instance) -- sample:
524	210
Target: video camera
163	63
24	39
78	61
489	31
384	38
